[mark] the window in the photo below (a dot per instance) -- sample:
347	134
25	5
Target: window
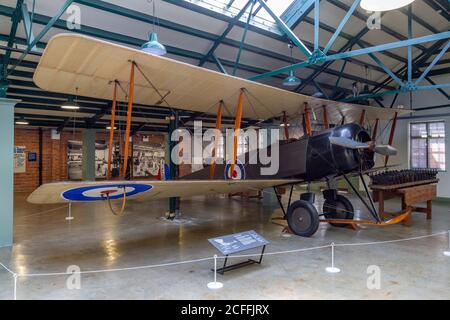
260	17
220	150
427	145
242	147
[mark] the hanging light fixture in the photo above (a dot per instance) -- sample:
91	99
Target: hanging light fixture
366	86
109	128
291	80
384	5
153	46
22	121
70	104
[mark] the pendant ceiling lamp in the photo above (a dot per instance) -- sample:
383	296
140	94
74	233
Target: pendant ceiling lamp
22	121
70	104
384	5
153	46
291	80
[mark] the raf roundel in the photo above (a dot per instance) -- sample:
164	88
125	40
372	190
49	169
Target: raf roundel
96	193
239	171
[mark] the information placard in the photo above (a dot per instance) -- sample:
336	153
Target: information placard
233	243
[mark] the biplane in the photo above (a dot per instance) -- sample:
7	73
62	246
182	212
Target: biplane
77	64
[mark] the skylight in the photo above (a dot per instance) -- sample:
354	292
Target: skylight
260	17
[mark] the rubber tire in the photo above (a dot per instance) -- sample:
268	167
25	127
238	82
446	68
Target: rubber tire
329	210
308	211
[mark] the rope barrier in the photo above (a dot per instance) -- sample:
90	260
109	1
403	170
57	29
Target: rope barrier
7	269
219	257
389	241
112	270
45	211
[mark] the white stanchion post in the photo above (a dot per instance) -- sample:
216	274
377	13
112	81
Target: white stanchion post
447	253
15	286
215	285
332	269
69	217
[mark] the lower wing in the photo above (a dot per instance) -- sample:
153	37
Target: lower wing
62	192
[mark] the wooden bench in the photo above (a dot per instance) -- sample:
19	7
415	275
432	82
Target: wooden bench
411	194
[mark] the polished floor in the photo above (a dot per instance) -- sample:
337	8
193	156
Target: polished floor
45	242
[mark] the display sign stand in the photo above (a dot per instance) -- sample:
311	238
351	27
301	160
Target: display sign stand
239	242
226	268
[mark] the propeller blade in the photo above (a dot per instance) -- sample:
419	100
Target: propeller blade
348	143
385	150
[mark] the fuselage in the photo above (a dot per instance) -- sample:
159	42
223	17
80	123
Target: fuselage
309	158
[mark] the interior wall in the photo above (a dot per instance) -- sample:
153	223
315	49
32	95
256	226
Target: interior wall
54	155
420	100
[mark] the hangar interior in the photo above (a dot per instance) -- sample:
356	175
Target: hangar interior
331	49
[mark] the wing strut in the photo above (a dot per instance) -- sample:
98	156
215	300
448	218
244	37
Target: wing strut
212	169
362	119
237	128
391	136
326	122
111	130
375	130
128	129
308	127
286	126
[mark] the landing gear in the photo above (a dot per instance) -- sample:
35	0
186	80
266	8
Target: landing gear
341	208
337	206
302	218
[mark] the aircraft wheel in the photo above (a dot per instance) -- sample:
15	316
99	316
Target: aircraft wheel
341	208
302	218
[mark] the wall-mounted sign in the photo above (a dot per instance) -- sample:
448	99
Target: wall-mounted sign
32	156
19	160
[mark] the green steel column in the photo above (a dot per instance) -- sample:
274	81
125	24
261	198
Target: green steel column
6	170
88	163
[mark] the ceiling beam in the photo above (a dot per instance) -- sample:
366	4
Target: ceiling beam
363	17
440	7
296	12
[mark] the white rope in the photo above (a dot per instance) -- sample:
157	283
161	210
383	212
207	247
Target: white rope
116	269
51	210
7	269
389	241
221	257
42	212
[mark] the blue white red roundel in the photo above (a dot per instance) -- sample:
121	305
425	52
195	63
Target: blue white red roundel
239	171
99	192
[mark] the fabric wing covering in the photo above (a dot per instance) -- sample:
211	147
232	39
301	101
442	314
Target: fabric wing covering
52	193
73	61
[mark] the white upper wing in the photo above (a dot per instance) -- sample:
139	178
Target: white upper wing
74	61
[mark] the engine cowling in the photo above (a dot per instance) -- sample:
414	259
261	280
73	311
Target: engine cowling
325	159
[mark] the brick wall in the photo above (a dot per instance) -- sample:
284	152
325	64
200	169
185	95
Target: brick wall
54	157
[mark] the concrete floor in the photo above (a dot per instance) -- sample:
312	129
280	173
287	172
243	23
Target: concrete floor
95	239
